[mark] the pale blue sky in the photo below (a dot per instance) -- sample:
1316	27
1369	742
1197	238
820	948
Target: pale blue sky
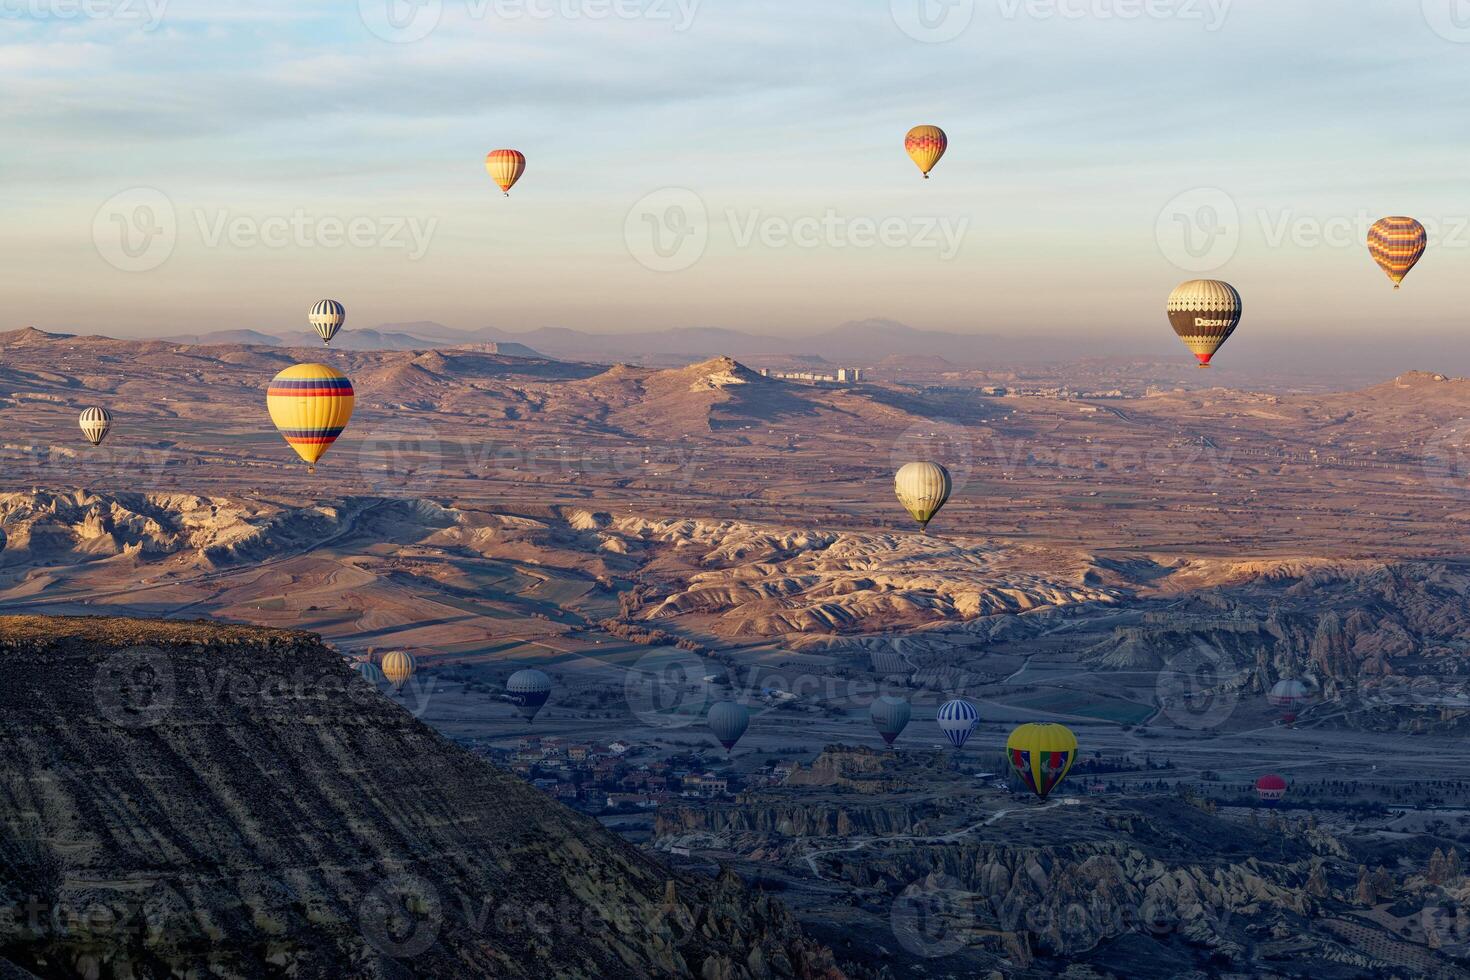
1073	125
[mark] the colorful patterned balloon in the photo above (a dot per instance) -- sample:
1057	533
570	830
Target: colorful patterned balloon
310	404
1041	754
925	145
1204	313
506	166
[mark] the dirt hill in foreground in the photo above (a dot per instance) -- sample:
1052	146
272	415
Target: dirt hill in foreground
191	799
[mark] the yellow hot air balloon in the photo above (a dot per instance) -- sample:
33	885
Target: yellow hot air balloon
923	488
310	404
1041	754
506	166
1397	244
1204	313
398	667
925	145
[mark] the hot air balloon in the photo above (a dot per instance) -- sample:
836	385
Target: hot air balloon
957	719
310	404
1204	313
96	423
890	716
327	318
1288	694
369	672
1041	754
923	488
728	721
925	145
506	166
398	667
1397	244
528	691
1270	789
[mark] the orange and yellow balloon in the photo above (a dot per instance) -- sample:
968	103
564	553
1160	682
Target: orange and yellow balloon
925	145
506	167
310	404
1397	244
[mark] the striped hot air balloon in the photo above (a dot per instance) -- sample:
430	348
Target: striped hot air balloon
369	672
890	716
398	667
327	318
923	488
1397	244
925	145
1204	313
528	690
1041	754
310	404
96	423
506	167
957	719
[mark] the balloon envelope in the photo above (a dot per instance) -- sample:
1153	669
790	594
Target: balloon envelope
398	667
923	488
96	423
506	167
310	404
957	720
890	717
369	672
1204	313
1397	244
729	722
529	691
1270	789
925	145
327	318
1041	754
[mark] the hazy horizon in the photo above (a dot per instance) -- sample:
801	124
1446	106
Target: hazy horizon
1086	139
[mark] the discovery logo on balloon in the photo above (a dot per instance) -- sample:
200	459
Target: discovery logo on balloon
400	21
136	230
1199	230
1450	19
668	230
933	21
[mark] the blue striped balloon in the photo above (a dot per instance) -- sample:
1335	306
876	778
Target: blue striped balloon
957	719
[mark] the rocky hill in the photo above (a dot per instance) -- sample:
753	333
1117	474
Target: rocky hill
188	799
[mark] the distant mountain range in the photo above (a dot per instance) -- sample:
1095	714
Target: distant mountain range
862	342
